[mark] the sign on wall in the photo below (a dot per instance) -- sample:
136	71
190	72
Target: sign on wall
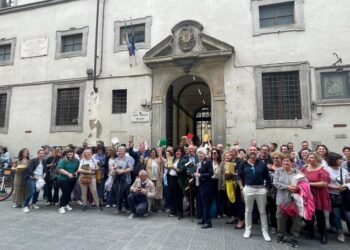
34	47
140	116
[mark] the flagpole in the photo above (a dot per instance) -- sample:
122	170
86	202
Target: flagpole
126	39
133	48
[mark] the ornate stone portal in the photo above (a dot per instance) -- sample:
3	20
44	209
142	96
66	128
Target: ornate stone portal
188	51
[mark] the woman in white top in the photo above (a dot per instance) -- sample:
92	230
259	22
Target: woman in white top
322	150
87	168
112	167
338	178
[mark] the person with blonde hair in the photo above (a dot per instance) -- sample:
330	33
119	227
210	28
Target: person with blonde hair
87	179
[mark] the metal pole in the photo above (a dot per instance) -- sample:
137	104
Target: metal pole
96	41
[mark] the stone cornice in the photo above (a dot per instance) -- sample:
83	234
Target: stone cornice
30	6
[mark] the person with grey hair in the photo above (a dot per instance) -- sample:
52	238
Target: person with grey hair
122	179
142	190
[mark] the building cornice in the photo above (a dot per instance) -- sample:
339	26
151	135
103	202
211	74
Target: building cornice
30	6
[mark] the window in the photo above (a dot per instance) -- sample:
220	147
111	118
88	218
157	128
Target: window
71	43
119	101
67	107
67	110
334	85
139	33
3	101
7	51
142	33
273	16
7	3
281	95
276	14
5	98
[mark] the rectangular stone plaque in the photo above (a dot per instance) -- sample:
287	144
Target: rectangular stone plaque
140	116
34	47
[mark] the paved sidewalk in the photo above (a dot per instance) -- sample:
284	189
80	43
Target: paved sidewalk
45	228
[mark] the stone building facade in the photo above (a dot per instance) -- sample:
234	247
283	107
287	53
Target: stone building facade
237	70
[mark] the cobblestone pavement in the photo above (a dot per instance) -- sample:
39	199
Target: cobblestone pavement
45	228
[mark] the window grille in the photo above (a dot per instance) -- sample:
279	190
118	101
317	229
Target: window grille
5	52
3	100
72	43
281	95
276	14
67	110
119	101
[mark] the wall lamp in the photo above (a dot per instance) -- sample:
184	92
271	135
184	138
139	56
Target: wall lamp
89	73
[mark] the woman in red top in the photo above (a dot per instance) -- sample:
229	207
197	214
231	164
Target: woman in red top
319	179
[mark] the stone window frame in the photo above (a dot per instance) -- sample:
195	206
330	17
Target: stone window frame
12	42
304	79
320	100
8	91
126	101
72	31
67	128
145	45
298	25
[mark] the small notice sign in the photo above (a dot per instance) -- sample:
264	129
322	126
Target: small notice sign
34	47
140	116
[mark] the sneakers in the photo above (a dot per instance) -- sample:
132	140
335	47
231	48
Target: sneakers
341	237
247	234
48	203
57	203
80	203
118	212
26	210
14	205
35	206
107	206
69	208
280	239
146	215
61	210
266	236
294	243
131	216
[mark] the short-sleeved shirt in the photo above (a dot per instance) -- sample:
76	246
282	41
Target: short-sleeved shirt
334	175
124	164
91	163
71	166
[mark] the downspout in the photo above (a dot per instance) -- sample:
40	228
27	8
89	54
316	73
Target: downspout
102	36
96	40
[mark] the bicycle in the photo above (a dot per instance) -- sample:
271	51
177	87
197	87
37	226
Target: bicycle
6	183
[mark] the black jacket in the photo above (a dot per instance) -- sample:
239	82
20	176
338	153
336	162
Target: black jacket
32	165
205	180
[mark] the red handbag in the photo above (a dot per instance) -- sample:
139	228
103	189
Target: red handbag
289	209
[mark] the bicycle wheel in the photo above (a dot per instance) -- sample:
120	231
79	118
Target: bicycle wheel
6	188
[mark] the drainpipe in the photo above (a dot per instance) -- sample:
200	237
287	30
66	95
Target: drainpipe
96	40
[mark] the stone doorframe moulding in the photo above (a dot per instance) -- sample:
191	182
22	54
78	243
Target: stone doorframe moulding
188	51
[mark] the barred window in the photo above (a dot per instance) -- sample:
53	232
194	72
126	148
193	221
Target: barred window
67	111
139	33
3	101
72	43
119	101
281	95
5	52
276	14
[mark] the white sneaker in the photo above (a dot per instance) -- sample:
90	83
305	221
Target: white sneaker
80	203
108	205
247	234
69	208
35	206
48	203
14	205
26	210
61	210
131	216
266	236
57	203
341	238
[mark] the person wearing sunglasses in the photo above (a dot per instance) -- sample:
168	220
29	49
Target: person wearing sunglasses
253	179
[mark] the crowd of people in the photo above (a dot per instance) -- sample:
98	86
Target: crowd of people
284	190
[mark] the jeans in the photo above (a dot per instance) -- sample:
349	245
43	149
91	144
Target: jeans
32	193
101	189
121	189
335	218
66	188
138	203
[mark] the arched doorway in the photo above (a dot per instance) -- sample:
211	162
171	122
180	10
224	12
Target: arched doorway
188	109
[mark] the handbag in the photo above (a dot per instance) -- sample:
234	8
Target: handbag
86	179
289	209
336	200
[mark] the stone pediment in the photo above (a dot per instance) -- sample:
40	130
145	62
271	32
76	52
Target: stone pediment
186	46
